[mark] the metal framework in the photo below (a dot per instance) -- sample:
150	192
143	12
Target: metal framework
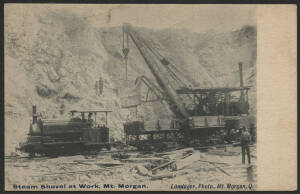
212	107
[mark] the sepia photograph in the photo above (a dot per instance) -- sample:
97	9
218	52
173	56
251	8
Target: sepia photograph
130	97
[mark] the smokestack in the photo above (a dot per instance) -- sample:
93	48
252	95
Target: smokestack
241	80
241	74
34	114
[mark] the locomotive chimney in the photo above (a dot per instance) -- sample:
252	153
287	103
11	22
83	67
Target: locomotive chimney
34	114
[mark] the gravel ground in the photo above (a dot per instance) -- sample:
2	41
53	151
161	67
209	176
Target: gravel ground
213	167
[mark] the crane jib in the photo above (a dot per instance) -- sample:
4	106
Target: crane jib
157	71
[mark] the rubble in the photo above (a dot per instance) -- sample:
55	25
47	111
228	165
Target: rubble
141	170
109	164
165	176
186	161
120	155
178	165
222	152
143	160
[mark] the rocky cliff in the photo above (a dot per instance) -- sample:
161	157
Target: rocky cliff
54	60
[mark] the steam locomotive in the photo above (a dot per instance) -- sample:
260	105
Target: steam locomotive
66	137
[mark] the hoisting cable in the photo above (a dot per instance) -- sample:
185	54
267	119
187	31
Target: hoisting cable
165	62
125	51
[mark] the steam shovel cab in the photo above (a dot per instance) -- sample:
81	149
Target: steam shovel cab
66	137
217	115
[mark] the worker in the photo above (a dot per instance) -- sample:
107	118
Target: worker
97	88
158	125
100	85
90	120
83	117
173	123
205	109
140	118
90	117
108	16
62	109
252	133
245	141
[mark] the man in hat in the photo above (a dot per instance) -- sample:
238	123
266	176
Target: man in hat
245	141
97	88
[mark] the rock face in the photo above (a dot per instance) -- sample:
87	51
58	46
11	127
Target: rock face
53	60
55	65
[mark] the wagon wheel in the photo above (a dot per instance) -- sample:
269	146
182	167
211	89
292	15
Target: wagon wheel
108	147
32	154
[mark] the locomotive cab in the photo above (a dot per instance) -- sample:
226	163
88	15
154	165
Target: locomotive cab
96	132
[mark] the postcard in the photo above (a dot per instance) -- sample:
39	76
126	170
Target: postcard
108	97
